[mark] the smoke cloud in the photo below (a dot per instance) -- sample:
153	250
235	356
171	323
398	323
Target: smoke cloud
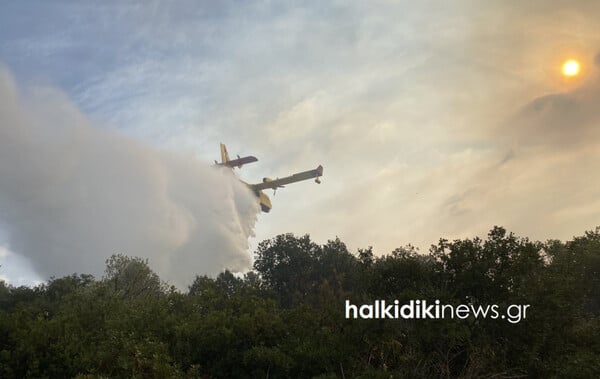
563	121
72	194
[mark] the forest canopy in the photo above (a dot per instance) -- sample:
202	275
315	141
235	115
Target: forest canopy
285	318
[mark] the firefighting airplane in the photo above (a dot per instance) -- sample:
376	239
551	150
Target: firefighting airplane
265	202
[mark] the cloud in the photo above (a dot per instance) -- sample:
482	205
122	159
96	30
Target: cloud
536	178
560	120
532	174
401	104
72	194
16	269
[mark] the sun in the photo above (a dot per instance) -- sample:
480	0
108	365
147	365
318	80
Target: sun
570	68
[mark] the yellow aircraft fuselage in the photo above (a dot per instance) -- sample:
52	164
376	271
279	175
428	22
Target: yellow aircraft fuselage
265	202
263	199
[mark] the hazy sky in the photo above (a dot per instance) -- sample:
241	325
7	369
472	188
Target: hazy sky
432	119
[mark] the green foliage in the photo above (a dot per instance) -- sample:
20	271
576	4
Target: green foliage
286	318
132	278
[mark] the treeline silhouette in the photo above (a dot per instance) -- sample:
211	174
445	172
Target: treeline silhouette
286	317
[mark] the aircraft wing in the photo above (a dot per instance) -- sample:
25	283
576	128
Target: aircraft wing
305	175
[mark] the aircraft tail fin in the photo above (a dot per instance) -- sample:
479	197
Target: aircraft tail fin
224	154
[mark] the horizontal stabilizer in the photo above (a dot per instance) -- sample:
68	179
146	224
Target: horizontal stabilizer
238	162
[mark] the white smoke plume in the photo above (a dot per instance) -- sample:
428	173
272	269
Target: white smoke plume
72	194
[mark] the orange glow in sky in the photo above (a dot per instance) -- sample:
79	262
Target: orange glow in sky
570	68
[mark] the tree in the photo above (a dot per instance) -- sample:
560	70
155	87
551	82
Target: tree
132	278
